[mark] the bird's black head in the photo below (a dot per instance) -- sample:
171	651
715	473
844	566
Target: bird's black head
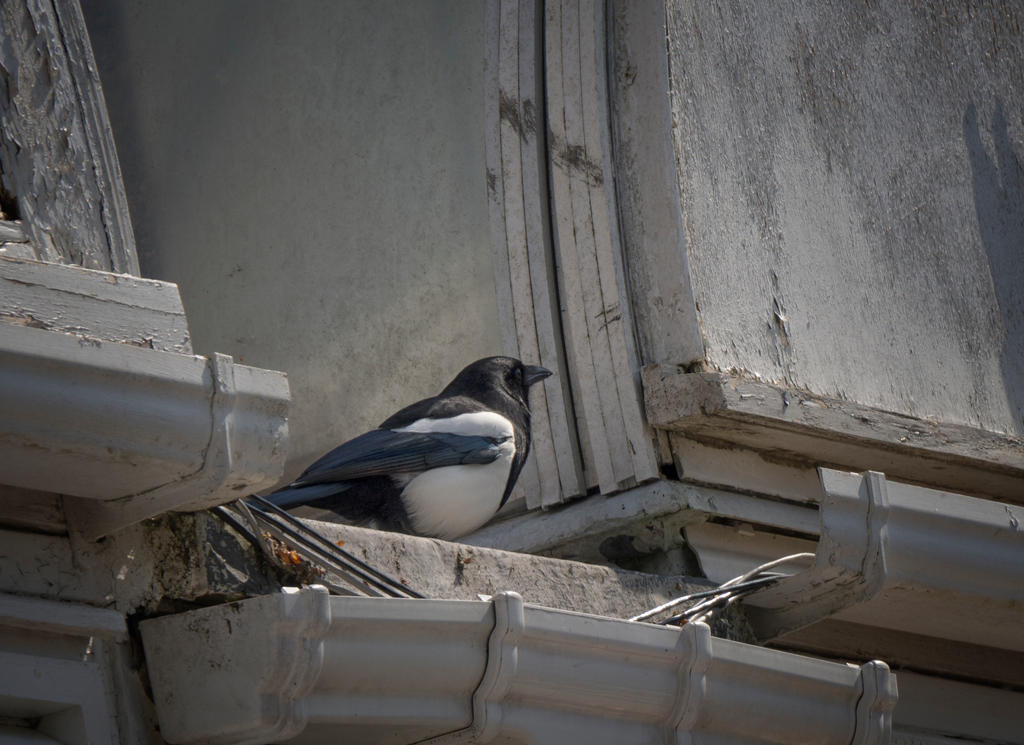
503	374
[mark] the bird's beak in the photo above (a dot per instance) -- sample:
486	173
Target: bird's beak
534	373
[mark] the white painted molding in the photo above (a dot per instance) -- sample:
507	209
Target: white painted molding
133	432
908	559
445	671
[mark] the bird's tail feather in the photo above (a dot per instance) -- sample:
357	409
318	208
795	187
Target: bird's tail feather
292	496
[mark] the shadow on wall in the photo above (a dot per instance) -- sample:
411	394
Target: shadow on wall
999	202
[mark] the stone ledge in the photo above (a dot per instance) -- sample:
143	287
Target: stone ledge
439	569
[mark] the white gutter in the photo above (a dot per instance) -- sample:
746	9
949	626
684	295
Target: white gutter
304	667
132	431
909	559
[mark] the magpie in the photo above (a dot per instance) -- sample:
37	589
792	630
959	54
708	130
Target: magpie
440	467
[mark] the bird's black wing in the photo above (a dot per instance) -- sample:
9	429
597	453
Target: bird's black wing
382	452
435	407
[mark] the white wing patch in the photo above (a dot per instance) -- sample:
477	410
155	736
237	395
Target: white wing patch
452	501
479	423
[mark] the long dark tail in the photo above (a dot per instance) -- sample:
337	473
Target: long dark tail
293	496
372	502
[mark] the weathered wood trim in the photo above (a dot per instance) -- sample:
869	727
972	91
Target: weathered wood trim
596	310
596	448
95	306
792	425
11	232
56	148
558	259
524	271
604	205
99	136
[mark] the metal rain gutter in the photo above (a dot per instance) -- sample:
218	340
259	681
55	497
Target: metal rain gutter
907	559
128	432
303	667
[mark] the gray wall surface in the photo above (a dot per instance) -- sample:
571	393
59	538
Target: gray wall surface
853	197
312	176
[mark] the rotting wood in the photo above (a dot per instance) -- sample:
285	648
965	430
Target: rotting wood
642	512
13	243
12	232
526	245
553	217
56	148
735	467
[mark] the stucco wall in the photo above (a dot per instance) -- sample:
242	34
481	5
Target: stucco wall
853	197
312	176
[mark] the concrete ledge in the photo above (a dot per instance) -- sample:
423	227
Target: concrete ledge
452	570
310	668
796	426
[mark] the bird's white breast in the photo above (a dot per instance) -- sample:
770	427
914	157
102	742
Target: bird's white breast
452	501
